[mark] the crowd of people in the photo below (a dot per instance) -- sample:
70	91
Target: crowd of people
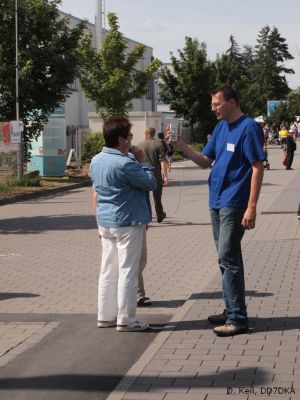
123	175
285	136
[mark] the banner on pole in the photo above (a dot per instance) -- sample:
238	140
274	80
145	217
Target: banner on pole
17	129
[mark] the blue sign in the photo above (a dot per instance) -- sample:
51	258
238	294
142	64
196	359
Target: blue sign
273	104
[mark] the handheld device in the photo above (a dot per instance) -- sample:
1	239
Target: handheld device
173	130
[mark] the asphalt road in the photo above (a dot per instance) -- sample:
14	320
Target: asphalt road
76	361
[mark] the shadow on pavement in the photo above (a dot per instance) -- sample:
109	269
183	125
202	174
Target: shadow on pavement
186	183
182	167
47	223
100	383
167	224
218	295
167	303
6	296
256	325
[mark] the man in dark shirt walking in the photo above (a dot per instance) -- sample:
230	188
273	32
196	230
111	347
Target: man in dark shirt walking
156	156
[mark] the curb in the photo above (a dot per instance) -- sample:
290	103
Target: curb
44	192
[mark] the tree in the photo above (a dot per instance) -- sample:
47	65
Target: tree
269	80
294	103
109	77
187	86
229	65
48	61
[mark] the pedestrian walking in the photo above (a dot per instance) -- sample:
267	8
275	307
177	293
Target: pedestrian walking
156	156
290	149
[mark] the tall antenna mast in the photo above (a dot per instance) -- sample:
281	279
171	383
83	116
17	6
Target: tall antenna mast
103	14
17	61
98	24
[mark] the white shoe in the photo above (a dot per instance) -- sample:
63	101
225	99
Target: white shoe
135	327
106	324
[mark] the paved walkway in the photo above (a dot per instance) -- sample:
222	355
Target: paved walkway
46	270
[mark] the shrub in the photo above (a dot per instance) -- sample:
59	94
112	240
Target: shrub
29	180
197	147
93	145
179	156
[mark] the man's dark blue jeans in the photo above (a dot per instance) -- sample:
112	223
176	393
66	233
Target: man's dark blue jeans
228	233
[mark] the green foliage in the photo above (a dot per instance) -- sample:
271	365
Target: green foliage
48	60
186	87
229	66
197	146
29	180
286	111
294	102
257	73
281	113
178	155
268	69
110	77
93	145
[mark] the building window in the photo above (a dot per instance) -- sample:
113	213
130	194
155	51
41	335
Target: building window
73	86
149	92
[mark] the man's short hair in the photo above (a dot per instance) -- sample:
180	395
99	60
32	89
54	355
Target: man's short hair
150	131
228	93
115	127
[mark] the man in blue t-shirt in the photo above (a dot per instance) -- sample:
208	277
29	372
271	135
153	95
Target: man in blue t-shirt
236	151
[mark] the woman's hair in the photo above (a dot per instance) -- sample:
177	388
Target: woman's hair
115	127
160	135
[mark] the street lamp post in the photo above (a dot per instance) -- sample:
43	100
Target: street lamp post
17	62
19	153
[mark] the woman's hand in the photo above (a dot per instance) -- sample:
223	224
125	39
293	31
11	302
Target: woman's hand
138	154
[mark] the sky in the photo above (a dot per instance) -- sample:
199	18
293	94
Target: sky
164	24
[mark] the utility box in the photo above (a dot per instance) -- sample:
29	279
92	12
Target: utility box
49	153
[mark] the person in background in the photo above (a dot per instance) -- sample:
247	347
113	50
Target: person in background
169	155
142	299
283	133
290	148
156	156
294	128
167	148
236	148
121	186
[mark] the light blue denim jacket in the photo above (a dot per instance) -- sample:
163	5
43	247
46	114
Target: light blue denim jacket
122	186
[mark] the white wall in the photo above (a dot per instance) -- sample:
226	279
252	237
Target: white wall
139	120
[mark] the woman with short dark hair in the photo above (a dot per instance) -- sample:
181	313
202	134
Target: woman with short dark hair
121	203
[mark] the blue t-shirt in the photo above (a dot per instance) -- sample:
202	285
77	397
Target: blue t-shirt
234	148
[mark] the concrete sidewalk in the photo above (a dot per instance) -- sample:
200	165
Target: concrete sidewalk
44	239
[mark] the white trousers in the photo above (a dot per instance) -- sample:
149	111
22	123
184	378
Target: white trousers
118	279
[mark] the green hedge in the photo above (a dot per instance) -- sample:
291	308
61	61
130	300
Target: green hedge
93	145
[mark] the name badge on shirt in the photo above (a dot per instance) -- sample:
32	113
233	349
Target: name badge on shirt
230	147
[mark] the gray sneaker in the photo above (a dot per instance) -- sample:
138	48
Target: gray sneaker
218	318
230	330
